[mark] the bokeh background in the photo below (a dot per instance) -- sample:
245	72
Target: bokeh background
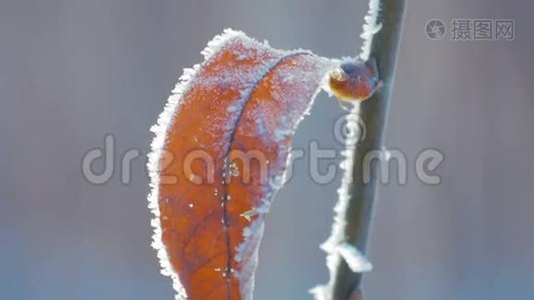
73	71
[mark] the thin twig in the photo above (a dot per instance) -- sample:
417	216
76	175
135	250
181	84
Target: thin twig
355	210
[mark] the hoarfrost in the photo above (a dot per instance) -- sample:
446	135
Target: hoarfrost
335	246
247	79
160	130
354	258
370	28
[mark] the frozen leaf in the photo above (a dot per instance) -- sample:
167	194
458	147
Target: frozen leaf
219	156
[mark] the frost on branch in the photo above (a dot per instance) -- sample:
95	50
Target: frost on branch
370	28
336	246
354	258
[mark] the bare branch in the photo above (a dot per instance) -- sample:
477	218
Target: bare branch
354	210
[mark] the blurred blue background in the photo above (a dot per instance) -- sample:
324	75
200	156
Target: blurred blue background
73	71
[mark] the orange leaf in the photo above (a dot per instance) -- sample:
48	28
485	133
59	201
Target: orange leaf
220	155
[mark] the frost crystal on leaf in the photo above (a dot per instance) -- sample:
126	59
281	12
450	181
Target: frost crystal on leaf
248	96
160	130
